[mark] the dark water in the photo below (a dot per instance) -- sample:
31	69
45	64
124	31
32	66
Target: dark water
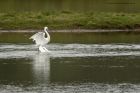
84	37
76	64
71	5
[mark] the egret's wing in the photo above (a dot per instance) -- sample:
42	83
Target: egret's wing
38	37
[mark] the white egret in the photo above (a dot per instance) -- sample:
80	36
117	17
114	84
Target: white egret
41	40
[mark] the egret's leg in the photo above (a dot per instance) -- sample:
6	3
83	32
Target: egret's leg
46	49
41	49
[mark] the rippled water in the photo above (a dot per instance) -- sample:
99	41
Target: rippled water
70	50
70	68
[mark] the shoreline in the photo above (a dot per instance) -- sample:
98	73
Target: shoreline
87	21
76	30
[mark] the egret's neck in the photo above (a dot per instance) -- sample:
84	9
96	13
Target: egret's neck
48	36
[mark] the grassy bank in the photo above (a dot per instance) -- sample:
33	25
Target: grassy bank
69	20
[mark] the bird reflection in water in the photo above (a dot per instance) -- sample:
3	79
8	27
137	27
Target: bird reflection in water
41	67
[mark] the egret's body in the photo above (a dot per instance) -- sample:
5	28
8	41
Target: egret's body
41	40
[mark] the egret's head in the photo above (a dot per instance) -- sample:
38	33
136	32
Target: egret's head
45	28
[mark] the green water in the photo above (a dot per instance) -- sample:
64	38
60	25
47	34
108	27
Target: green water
96	69
71	5
82	37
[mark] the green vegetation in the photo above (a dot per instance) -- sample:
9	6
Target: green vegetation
69	20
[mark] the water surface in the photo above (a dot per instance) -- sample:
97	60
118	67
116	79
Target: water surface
75	37
75	66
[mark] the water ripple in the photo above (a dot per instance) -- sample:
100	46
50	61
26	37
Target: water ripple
70	50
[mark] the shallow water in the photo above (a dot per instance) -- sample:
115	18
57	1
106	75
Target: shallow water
70	68
74	37
78	63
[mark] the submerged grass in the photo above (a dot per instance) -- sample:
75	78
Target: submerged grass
69	20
